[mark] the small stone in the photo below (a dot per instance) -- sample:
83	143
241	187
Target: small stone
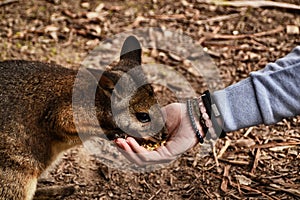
235	32
253	56
85	5
99	7
292	29
92	15
184	3
110	194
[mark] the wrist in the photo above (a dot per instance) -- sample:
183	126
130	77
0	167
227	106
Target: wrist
213	116
207	115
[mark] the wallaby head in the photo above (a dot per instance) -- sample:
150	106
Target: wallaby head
131	106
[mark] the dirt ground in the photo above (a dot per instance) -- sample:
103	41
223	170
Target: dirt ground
260	162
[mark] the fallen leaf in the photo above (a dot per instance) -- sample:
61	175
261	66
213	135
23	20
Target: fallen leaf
243	180
245	142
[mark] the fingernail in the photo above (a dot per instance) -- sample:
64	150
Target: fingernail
129	139
119	140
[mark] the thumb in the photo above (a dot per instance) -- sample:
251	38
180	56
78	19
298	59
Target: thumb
172	116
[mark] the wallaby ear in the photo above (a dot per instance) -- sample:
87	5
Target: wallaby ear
97	73
106	80
131	50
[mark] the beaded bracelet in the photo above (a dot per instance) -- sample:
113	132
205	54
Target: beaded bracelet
210	133
209	124
192	120
199	115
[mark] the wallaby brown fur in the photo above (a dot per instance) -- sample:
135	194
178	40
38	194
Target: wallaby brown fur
37	121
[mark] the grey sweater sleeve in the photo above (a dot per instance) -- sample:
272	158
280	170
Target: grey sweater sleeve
265	97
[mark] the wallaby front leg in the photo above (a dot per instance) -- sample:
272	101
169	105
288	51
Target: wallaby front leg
15	185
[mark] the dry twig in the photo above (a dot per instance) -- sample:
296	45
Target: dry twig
225	178
156	193
215	154
255	4
274	144
224	148
294	192
256	159
243	36
217	18
3	3
248	131
236	162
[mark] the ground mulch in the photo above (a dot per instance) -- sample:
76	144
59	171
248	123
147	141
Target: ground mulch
260	162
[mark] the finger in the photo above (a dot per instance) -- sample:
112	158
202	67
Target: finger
136	147
123	144
171	114
163	154
127	152
145	156
139	155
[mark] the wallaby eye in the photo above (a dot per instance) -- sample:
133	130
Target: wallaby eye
143	117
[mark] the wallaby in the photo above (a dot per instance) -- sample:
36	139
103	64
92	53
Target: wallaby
37	119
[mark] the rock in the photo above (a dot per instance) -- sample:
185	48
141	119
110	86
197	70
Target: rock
292	29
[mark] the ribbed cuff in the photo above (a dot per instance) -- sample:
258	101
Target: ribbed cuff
238	106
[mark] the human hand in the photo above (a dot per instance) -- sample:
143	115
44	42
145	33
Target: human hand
181	138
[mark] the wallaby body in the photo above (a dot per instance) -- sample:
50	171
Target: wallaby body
36	116
27	89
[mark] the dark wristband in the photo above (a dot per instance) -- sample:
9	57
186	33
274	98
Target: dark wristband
213	113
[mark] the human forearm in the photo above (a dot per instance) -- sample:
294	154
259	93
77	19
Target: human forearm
265	97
